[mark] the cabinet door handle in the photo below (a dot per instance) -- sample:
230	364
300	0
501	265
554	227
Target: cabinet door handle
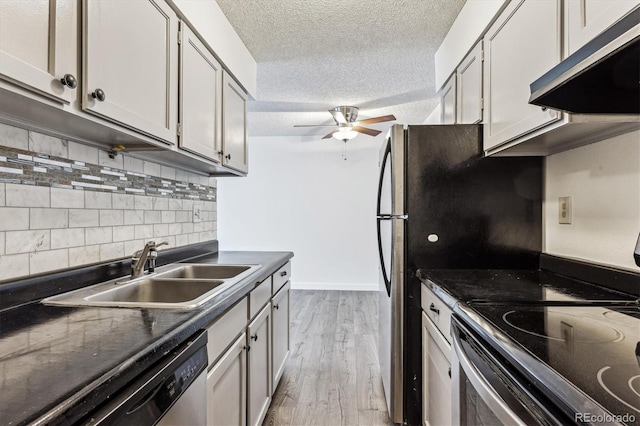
449	372
433	308
283	273
255	337
220	153
247	348
228	156
98	95
70	81
276	306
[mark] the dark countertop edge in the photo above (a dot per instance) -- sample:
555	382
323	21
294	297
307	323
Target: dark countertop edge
82	403
18	292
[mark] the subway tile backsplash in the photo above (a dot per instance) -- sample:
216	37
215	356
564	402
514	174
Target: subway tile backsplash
65	204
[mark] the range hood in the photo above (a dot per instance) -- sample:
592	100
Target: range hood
602	77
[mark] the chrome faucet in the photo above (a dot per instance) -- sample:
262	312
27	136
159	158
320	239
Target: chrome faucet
148	254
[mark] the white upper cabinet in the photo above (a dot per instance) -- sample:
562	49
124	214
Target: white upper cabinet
234	127
522	44
585	19
130	67
448	101
200	97
469	88
38	46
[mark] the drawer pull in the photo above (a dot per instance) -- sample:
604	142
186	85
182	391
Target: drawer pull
255	337
433	308
283	273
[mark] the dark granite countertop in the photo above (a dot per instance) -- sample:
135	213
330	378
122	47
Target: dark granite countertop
512	286
58	363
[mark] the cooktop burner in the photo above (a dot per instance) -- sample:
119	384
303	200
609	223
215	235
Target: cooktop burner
561	326
596	348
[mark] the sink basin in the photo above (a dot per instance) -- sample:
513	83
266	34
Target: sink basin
197	271
177	286
157	290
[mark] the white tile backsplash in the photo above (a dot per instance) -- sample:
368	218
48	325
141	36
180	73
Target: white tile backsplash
83	218
111	217
84	153
14	218
98	235
27	241
45	144
48	260
47	227
67	198
97	200
12	266
64	238
84	255
48	218
27	195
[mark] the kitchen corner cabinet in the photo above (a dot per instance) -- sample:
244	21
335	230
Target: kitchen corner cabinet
448	101
281	340
38	46
200	128
585	19
135	85
226	386
522	44
234	125
259	367
469	87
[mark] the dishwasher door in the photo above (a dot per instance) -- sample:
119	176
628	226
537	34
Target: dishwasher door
173	392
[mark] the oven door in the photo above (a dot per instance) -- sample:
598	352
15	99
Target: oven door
485	391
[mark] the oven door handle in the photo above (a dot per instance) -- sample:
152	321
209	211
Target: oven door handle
484	389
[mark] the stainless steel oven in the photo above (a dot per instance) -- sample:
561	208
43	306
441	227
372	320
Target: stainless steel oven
486	391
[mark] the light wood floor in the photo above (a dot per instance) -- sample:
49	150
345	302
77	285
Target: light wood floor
332	376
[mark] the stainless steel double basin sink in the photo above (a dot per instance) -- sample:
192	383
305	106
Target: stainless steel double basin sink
178	286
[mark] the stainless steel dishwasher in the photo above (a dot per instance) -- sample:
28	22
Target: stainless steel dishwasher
173	392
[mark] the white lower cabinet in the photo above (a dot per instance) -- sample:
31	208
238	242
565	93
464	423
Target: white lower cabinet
280	333
436	376
259	367
226	387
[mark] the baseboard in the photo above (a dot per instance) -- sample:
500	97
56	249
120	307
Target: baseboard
334	286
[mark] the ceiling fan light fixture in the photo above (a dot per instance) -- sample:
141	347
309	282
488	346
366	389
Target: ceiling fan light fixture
345	134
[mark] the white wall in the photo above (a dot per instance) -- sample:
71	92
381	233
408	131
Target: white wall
301	196
603	180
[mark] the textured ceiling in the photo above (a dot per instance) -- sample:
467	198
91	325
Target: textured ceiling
314	55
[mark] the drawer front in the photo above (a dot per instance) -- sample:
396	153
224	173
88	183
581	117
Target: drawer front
259	297
436	310
280	277
222	332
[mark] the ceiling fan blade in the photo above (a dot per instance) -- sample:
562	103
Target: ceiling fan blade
339	116
366	131
381	119
329	135
314	125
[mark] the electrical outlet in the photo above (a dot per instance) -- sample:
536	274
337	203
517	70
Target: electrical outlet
564	210
197	213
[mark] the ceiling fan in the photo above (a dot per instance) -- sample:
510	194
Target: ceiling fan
348	127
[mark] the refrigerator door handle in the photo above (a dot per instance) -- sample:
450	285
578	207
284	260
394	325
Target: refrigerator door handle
392	216
385	276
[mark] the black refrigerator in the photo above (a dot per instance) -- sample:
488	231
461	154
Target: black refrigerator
443	205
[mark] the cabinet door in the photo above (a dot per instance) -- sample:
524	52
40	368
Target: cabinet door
200	97
448	102
469	88
226	387
585	19
280	331
436	376
130	67
259	367
523	44
234	128
38	45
